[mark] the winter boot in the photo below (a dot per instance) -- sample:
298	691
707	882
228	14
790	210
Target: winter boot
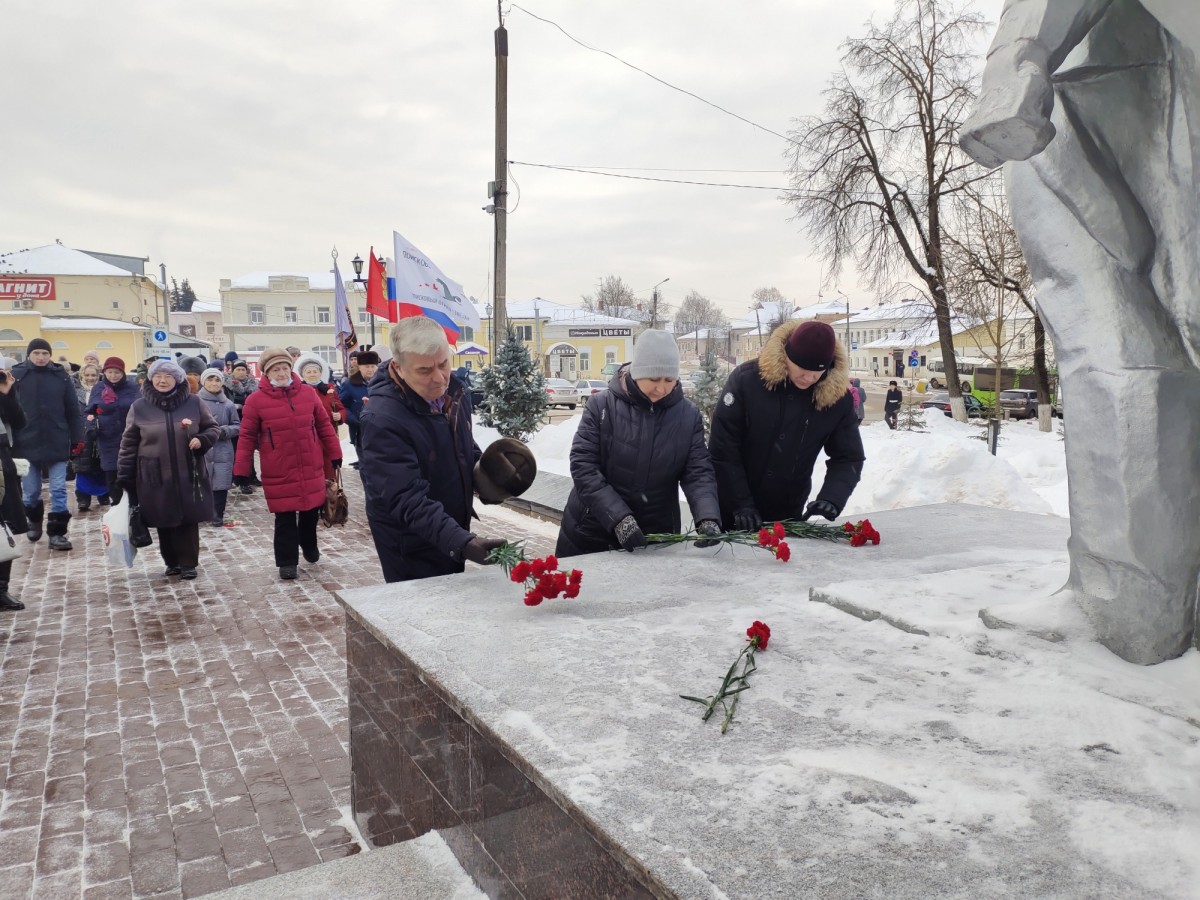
56	528
34	515
104	500
7	601
83	501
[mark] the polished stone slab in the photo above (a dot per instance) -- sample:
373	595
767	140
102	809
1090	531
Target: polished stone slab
864	761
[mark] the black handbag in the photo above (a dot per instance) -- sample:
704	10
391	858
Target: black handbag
139	534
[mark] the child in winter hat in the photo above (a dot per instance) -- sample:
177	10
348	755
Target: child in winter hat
655	355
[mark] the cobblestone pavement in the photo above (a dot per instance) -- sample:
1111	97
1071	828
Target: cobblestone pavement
166	738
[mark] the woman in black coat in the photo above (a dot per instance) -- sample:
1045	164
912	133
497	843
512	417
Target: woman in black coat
12	508
161	462
637	443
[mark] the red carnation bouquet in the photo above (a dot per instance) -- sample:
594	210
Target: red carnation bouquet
541	577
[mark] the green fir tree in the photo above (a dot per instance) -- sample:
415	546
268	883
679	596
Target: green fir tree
708	390
514	391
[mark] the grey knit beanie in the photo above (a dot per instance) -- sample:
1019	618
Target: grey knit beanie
654	356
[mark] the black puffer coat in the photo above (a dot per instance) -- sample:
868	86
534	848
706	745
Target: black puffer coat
416	466
172	481
12	508
54	423
630	457
767	434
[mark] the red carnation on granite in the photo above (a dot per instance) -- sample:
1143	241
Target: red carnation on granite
757	637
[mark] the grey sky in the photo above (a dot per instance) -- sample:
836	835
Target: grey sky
223	138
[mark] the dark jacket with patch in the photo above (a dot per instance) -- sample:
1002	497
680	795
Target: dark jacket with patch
52	412
767	435
417	469
630	457
172	481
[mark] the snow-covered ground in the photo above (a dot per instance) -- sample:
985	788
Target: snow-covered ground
947	463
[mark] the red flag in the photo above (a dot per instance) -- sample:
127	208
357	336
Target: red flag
377	303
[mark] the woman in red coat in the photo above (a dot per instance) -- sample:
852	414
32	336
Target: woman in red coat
285	421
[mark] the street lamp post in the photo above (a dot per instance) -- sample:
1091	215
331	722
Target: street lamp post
491	331
847	326
654	303
358	279
757	307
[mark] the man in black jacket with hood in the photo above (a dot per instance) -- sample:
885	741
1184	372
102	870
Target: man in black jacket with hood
53	426
775	415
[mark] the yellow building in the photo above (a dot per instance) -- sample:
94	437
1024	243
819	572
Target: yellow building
81	301
568	342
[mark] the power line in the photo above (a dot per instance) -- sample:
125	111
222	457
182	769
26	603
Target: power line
752	187
673	87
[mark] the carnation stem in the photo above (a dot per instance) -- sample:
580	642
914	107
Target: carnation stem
746	670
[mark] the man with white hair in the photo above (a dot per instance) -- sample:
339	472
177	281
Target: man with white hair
418	458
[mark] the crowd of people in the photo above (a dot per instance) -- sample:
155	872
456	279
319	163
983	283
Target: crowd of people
176	436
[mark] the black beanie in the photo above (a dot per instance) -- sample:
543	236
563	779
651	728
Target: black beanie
38	344
812	346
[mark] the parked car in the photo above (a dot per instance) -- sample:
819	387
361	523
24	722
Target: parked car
560	392
589	387
975	407
474	384
1019	403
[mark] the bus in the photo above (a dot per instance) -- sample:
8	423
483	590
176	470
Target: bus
976	376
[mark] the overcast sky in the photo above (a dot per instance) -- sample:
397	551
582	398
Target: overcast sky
227	137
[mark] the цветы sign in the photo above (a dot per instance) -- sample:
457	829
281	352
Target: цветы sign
22	287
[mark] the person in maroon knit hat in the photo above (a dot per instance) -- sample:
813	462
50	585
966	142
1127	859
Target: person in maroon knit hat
773	419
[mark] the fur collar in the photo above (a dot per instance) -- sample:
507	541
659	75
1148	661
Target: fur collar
772	368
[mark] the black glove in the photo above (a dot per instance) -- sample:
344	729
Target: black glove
241	481
747	519
477	550
711	529
629	534
336	463
123	488
115	495
820	508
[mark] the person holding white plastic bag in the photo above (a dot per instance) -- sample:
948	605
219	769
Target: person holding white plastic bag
12	507
161	464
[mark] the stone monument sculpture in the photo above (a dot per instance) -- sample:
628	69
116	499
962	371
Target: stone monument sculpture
1097	105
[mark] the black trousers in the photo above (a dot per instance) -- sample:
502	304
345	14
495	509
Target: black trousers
180	546
220	498
295	531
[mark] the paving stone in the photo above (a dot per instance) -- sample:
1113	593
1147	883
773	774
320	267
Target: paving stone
161	738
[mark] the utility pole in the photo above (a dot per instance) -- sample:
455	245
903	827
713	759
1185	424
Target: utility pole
162	267
499	187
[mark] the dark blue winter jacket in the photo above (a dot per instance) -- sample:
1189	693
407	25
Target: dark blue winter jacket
53	421
630	457
111	408
351	393
416	465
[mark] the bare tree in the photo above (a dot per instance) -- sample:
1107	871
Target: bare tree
697	312
992	279
614	298
779	307
869	177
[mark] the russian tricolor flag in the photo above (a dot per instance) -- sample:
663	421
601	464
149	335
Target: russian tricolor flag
419	288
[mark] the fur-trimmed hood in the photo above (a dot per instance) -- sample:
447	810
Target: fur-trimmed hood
772	368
